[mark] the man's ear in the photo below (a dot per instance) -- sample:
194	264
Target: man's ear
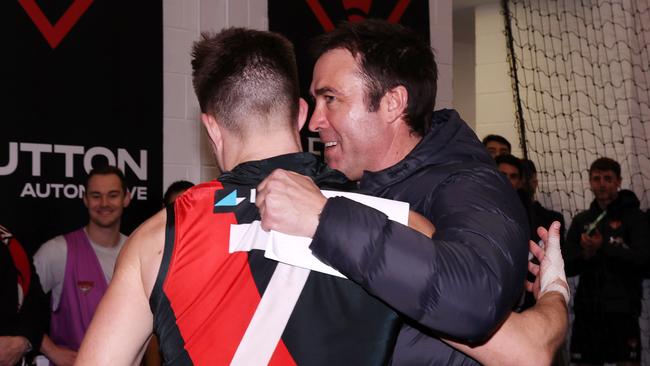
213	130
395	102
303	110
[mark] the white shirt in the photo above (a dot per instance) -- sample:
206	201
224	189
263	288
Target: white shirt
50	262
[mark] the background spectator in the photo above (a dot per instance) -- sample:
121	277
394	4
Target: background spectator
76	267
607	245
23	306
497	145
174	190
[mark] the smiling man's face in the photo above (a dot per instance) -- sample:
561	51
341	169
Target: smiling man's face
355	139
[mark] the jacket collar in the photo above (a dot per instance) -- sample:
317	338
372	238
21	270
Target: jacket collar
450	140
252	173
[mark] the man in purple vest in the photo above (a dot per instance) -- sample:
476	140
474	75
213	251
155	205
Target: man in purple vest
76	267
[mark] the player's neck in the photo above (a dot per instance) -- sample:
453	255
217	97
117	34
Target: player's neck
262	147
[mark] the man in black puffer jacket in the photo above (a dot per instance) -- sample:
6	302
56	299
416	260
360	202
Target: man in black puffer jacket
607	245
374	86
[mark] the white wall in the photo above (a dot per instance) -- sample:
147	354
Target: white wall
464	65
495	110
440	21
186	150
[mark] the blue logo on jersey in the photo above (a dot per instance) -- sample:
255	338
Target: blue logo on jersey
227	199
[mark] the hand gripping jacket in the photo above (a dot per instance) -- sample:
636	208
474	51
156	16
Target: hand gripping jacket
204	297
464	282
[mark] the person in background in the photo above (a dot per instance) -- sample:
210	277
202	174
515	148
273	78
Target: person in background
497	145
607	245
23	305
511	167
77	267
174	190
538	214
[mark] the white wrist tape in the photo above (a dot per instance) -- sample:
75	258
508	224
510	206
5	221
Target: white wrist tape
552	269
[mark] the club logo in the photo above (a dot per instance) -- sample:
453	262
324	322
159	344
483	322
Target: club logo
227	200
54	34
356	10
85	286
615	224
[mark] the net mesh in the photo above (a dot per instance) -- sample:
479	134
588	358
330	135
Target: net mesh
580	72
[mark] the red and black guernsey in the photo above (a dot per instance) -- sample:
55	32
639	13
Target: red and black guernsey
204	297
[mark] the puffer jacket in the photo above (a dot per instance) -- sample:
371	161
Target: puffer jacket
461	284
610	280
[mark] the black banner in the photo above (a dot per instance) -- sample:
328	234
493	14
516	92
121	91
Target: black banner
301	20
83	87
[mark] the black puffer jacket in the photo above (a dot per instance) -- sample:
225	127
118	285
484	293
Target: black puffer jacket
462	283
610	280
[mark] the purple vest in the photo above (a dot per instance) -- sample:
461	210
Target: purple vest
84	284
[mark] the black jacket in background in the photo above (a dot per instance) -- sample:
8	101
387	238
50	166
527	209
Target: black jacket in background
610	281
31	320
462	283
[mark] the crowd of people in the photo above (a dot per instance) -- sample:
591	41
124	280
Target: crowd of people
607	245
202	281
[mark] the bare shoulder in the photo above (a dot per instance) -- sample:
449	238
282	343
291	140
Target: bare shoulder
144	249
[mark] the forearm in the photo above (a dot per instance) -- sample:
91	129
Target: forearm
528	338
12	349
47	346
57	355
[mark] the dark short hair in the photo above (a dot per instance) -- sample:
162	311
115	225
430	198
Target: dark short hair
107	170
241	73
174	188
606	164
528	168
389	55
498	138
510	160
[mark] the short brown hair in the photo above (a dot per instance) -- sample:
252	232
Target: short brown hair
242	73
107	170
606	164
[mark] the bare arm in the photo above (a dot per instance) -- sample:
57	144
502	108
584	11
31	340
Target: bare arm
529	338
421	224
12	349
123	322
532	337
61	356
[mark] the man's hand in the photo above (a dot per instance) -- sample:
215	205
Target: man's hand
12	349
550	273
59	355
290	203
590	243
62	356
